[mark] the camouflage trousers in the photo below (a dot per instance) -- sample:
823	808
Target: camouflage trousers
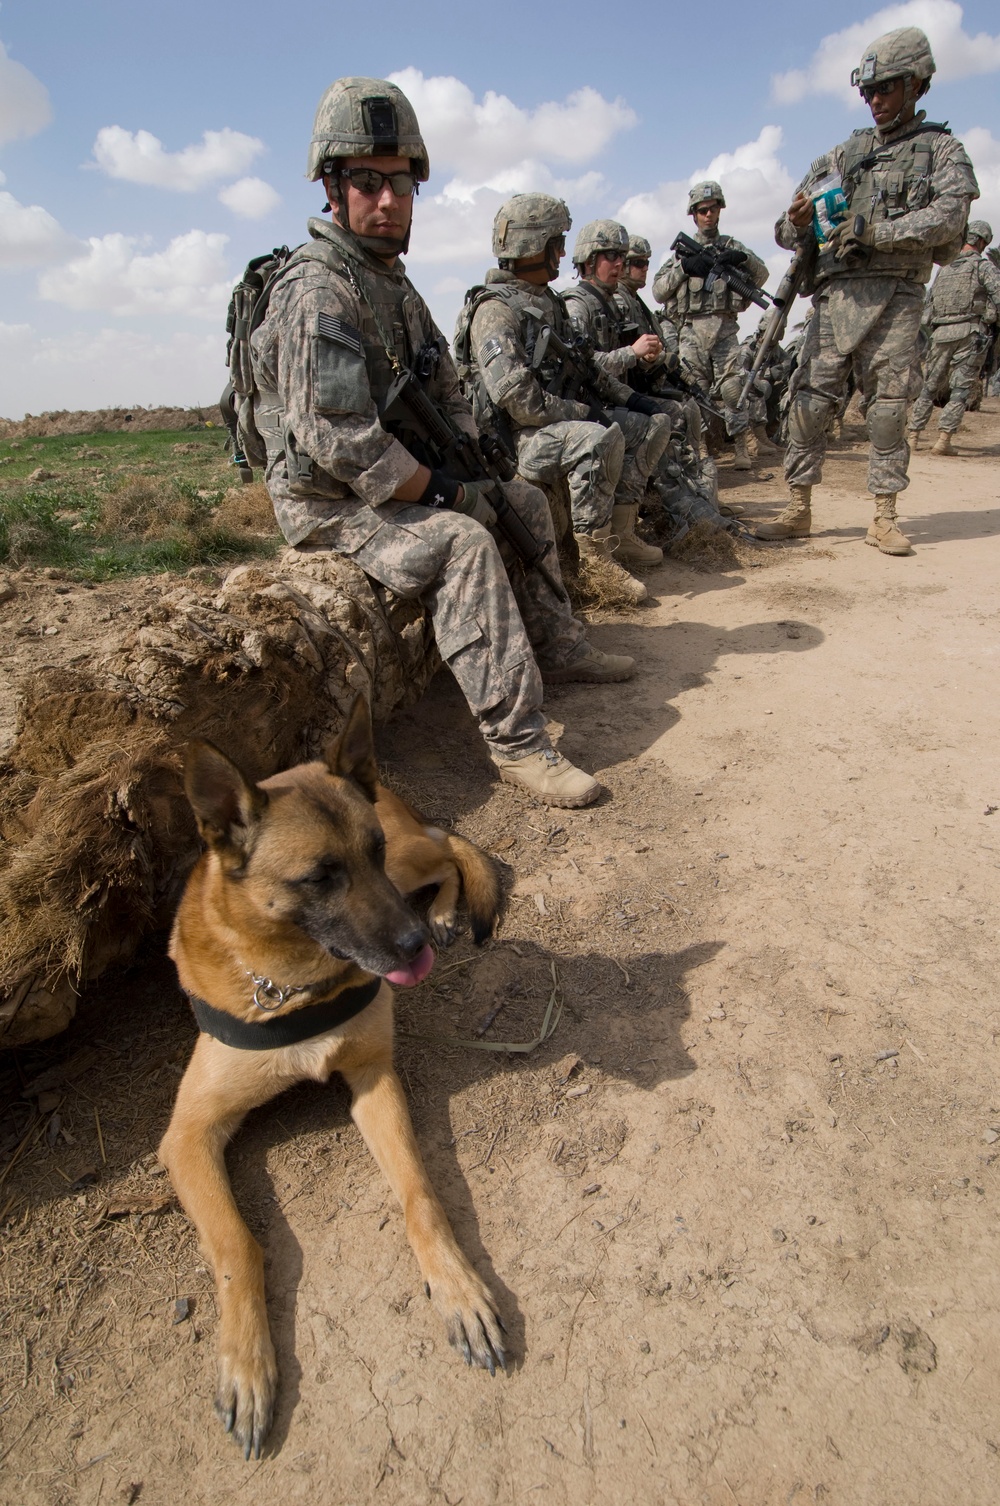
488	614
882	363
601	466
710	355
954	364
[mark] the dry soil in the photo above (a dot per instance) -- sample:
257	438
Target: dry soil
739	1211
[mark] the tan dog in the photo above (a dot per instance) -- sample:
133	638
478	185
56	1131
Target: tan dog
287	937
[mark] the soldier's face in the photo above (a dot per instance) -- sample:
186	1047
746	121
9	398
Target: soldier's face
885	100
635	272
608	267
382	215
706	216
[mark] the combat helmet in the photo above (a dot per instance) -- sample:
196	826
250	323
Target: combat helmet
366	117
979	230
526	223
903	53
701	193
638	248
599	235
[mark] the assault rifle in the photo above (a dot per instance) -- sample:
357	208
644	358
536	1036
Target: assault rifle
796	276
436	440
576	379
722	271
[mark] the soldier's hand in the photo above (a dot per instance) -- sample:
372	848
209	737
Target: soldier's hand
850	241
800	211
730	257
647	347
695	266
474	502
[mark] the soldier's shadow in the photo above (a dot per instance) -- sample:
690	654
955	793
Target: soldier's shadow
952	526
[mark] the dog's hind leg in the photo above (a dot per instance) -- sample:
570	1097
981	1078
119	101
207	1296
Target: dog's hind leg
380	1112
210	1105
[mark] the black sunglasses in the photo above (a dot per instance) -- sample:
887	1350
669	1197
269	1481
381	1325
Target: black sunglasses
884	86
367	181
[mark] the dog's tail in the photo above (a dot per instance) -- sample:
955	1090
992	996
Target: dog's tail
481	885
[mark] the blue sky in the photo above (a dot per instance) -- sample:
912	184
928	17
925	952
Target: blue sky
147	151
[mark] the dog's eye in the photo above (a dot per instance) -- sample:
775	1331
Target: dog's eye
377	846
323	873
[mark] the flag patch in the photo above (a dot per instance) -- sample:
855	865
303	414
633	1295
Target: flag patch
329	327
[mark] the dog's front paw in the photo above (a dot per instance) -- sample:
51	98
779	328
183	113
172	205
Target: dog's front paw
248	1385
444	927
474	1326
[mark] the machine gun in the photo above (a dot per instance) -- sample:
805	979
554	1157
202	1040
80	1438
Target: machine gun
436	440
721	270
795	278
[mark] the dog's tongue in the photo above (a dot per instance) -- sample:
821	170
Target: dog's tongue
416	972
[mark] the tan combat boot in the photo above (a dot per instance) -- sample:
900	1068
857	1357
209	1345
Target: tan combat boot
942	445
550	778
884	534
629	549
599	544
914	436
593	668
796	520
742	461
766	449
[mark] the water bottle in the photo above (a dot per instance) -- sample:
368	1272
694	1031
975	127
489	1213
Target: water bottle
829	207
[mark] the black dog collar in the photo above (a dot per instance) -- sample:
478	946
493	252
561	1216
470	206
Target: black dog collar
286	1029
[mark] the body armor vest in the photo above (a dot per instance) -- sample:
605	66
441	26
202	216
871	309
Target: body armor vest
600	315
883	182
693	298
536	310
958	296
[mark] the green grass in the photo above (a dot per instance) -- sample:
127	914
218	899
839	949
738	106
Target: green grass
124	504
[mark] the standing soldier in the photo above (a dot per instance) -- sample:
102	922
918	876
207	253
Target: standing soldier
959	307
513	343
599	256
707	318
908	185
342	321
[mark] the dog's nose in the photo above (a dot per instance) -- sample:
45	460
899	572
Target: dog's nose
413	941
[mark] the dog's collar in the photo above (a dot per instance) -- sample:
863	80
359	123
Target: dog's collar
286	1029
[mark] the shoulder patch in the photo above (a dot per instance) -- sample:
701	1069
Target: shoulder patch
329	327
491	349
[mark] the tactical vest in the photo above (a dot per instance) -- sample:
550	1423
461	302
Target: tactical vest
883	182
693	298
958	296
600	316
534	314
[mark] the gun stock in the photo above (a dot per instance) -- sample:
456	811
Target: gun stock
785	296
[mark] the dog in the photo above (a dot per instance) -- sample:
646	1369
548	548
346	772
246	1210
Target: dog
291	929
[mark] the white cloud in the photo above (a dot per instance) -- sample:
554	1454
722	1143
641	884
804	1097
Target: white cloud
984	149
29	236
476	142
107	369
251	198
957	54
189	278
24	102
140	158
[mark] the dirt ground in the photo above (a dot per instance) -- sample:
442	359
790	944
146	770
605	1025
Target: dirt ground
739	1210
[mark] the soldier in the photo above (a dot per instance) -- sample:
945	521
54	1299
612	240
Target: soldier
658	372
598	256
536	398
963	296
342	320
707	320
910	184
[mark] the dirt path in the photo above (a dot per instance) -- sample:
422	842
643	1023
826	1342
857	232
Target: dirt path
740	1210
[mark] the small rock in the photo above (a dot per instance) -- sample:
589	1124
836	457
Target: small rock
644	1347
182	1309
588	1191
578	1092
991	1136
50	632
885	1056
779	1236
41	474
717	1014
597	1225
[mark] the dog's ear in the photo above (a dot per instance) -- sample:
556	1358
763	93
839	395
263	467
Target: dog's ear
227	805
352	754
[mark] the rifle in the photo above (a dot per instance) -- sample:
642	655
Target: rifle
436	440
577	365
800	268
742	285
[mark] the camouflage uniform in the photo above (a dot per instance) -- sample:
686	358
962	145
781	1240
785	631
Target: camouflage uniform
322	368
709	341
553	435
958	308
917	198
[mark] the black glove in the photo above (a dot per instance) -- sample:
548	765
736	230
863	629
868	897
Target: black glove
696	266
731	258
440	491
640	403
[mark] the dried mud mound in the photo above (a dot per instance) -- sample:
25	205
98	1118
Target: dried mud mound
96	833
107	421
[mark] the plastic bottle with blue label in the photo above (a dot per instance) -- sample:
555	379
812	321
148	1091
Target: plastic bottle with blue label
829	207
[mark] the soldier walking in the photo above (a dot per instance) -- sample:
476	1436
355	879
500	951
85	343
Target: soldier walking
706	319
964	297
907	184
342	321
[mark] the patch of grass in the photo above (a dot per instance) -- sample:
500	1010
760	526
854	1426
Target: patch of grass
123	504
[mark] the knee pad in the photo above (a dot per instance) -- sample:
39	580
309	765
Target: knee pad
650	452
729	390
807	416
609	453
886	420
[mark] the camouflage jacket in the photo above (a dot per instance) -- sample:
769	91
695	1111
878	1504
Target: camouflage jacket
914	189
687	297
964	297
323	361
597	316
638	319
496	340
